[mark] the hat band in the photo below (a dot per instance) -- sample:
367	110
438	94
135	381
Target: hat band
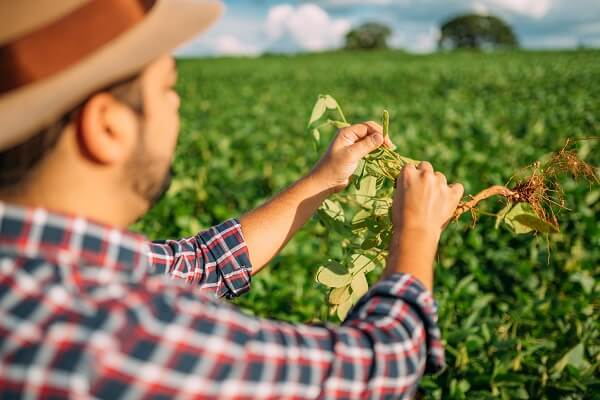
66	41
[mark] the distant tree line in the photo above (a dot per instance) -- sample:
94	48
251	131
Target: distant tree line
368	36
474	31
470	31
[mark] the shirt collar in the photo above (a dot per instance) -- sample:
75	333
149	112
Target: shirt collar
73	241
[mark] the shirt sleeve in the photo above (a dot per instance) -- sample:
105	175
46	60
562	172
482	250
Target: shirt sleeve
185	348
215	260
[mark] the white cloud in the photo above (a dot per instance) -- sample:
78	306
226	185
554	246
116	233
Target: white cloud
307	27
480	8
531	8
292	26
362	2
230	45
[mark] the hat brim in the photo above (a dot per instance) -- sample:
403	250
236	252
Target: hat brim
170	23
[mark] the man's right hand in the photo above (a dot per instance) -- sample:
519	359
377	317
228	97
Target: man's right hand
423	204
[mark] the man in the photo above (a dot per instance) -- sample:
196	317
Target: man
89	125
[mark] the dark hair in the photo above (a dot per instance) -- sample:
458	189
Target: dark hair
19	162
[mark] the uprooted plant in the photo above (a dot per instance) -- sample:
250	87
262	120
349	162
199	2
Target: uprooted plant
533	196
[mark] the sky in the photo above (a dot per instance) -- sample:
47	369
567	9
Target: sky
252	27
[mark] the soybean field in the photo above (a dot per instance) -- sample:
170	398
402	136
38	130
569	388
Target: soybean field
519	314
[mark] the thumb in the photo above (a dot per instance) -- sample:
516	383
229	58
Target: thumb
363	147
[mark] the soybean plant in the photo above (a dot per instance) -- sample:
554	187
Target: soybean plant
531	204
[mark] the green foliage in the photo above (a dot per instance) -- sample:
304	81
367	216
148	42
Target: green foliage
475	31
512	308
370	229
368	36
522	219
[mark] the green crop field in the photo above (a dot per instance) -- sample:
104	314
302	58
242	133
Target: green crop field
519	314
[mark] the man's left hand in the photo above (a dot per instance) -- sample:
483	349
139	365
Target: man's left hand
348	147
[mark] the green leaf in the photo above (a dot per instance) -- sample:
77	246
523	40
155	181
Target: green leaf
316	136
592	197
573	357
333	209
339	295
521	394
360	217
318	110
367	190
331	278
361	220
502	214
361	263
464	386
343	308
536	223
331	224
339	124
336	267
358	173
382	206
522	219
374	169
482	302
586	281
330	102
359	285
371	241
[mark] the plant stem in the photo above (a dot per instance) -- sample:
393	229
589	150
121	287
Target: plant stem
495	190
341	114
386	123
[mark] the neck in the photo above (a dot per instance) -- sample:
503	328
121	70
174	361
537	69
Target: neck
69	183
94	207
77	189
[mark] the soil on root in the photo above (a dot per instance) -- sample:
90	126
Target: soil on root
540	188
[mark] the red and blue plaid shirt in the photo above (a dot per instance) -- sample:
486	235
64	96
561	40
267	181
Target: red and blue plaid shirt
89	311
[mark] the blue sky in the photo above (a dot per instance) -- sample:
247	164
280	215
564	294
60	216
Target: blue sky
251	27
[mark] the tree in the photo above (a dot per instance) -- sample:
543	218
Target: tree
474	31
368	36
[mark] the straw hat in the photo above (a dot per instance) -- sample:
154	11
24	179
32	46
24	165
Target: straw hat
54	53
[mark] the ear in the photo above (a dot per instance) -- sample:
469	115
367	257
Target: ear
108	129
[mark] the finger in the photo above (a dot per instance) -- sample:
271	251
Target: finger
425	166
458	190
378	128
389	144
442	178
366	145
374	126
409	167
405	173
408	170
353	133
447	223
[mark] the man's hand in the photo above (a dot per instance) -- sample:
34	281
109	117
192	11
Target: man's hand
348	147
423	200
423	204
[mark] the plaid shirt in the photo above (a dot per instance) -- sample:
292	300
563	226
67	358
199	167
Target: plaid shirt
86	312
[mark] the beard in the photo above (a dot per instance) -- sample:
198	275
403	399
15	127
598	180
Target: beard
158	192
150	180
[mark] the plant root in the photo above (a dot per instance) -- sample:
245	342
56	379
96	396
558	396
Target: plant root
541	189
496	190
